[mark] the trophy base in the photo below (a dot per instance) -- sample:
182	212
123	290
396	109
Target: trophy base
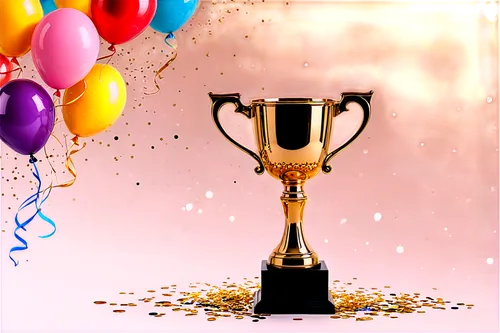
293	291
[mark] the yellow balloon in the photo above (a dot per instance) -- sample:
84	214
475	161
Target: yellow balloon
95	103
18	19
81	5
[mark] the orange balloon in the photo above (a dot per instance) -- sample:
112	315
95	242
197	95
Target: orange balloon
81	5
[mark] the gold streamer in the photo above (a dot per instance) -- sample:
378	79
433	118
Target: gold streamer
162	68
69	164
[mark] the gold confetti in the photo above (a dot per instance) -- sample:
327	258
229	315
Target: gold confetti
232	299
118	311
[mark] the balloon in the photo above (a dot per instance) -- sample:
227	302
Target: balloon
95	103
81	5
48	6
120	21
5	67
17	22
173	14
26	116
65	46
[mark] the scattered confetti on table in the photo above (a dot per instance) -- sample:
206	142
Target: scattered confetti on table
236	300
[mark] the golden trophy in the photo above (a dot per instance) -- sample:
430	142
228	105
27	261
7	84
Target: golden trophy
292	137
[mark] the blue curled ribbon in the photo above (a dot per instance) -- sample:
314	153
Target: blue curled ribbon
168	37
33	199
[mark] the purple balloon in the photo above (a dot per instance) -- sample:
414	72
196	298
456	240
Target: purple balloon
27	116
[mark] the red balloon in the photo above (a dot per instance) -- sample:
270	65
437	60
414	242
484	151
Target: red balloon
119	21
5	70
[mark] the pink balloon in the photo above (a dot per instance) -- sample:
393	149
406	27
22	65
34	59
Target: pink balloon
64	47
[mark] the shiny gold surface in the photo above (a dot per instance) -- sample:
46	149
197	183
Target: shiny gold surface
293	137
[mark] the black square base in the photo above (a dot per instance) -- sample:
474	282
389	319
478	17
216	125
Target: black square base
293	291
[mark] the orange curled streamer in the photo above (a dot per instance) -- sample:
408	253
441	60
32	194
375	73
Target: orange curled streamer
69	164
162	68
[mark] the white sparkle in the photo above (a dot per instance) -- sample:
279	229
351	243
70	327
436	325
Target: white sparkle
445	228
453	269
422	144
453	150
306	64
343	221
367	243
326	240
394	114
209	194
231	218
400	249
200	211
489	99
365	151
489	261
377	217
393	173
189	206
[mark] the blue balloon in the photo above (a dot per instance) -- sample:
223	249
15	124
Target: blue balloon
48	6
171	15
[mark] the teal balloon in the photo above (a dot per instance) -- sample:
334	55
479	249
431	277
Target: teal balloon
48	6
171	15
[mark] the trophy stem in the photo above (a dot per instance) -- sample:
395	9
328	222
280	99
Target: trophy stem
293	250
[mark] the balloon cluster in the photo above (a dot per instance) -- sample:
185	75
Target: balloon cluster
63	36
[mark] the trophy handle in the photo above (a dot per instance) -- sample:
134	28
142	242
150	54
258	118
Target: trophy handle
363	99
218	100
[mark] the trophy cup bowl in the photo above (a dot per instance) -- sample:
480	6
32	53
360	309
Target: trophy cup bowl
292	137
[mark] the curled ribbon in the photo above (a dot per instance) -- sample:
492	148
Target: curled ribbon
18	69
111	48
69	164
33	199
56	96
173	46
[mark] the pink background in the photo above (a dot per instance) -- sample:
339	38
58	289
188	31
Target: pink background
427	162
